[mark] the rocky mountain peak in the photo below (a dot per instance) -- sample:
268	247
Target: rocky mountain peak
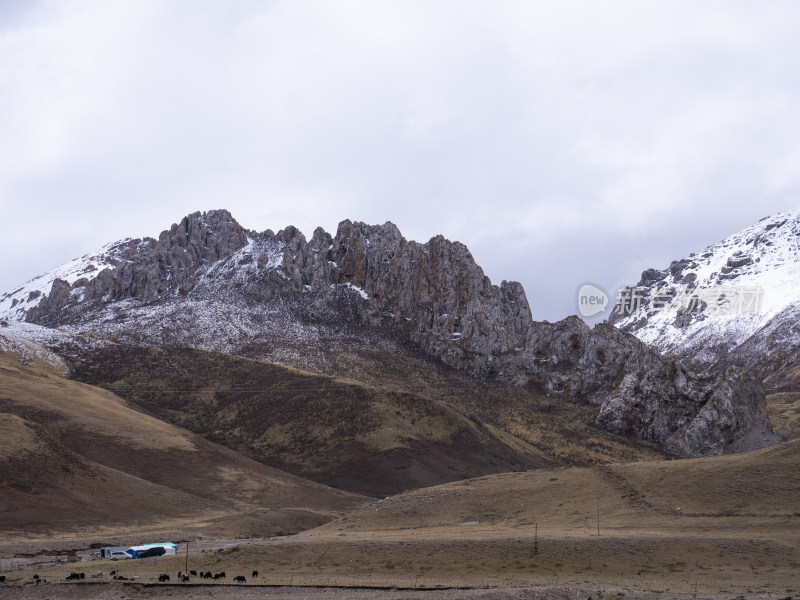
149	269
203	237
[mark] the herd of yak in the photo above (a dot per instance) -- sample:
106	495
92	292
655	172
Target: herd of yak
163	578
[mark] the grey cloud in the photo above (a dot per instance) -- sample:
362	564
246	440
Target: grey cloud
562	142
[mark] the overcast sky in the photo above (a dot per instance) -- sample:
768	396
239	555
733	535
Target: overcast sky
563	142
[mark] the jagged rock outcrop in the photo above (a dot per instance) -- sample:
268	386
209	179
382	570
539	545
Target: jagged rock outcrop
454	311
170	264
155	268
689	414
207	282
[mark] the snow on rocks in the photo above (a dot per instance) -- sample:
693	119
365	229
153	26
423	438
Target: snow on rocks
719	298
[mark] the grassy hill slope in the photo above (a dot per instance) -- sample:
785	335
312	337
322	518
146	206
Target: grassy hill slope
75	458
336	431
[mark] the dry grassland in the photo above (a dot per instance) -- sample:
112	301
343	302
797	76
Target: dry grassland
725	525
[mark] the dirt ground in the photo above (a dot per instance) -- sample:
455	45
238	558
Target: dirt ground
136	591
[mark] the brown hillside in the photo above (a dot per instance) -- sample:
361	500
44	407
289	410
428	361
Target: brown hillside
720	524
45	485
558	427
381	424
74	457
335	431
784	413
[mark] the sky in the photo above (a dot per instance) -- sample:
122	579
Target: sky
563	142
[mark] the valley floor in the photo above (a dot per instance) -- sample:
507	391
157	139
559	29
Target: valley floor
726	527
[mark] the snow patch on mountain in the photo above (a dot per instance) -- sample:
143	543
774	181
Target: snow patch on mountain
32	342
360	291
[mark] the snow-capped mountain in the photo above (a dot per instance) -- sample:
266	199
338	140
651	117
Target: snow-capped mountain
735	302
356	298
15	305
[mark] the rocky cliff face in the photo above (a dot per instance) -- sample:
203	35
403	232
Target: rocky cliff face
209	283
641	393
434	291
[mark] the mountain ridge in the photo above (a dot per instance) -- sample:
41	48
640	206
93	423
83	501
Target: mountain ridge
207	282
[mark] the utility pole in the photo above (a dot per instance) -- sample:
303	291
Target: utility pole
187	558
536	539
598	516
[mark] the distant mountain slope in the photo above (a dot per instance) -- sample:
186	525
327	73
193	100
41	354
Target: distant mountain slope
702	325
73	456
353	298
